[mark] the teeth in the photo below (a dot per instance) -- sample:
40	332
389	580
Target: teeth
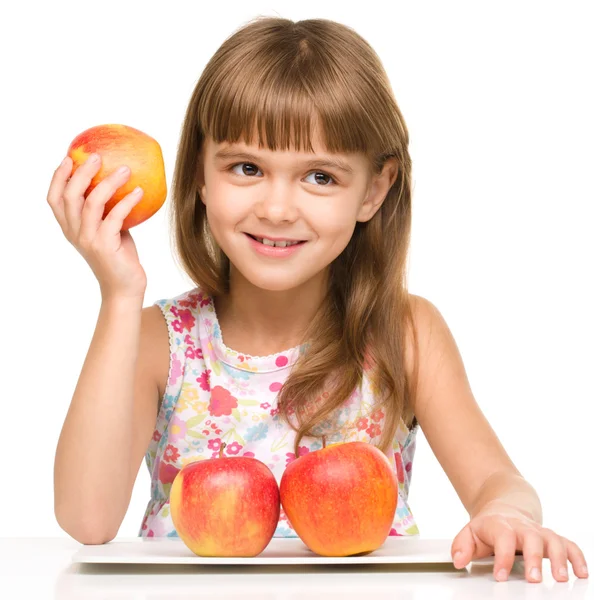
280	244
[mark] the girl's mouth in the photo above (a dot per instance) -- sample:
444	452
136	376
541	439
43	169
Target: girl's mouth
276	243
277	248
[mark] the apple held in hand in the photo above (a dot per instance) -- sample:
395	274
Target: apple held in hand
226	506
341	500
123	145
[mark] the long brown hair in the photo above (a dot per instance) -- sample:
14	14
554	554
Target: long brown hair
274	76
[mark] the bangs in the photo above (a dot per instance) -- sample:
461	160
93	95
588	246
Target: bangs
279	107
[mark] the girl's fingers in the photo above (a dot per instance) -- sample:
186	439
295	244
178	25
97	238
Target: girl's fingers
533	551
74	194
56	191
113	222
463	547
467	546
577	559
533	541
504	548
556	551
94	206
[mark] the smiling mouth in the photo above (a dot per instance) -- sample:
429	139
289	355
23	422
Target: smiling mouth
276	243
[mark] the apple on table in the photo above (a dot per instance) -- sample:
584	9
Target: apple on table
341	499
225	506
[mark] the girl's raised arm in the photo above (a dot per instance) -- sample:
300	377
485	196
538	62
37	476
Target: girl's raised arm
113	411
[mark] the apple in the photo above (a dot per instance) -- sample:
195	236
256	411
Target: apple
341	499
123	145
225	506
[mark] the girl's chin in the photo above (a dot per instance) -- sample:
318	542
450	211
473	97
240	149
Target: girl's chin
272	279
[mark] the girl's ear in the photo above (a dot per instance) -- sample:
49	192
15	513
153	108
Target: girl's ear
378	190
200	178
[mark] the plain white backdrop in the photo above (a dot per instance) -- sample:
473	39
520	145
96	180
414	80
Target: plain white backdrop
498	100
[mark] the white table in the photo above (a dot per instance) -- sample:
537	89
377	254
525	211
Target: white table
42	568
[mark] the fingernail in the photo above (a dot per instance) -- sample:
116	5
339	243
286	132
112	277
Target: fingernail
502	575
457	557
64	162
584	570
94	158
123	170
535	573
562	572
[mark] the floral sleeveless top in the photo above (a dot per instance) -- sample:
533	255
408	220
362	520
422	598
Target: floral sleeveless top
217	395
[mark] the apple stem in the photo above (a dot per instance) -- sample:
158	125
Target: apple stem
221	450
323	441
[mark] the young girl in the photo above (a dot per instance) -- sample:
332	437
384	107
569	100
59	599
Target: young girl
299	326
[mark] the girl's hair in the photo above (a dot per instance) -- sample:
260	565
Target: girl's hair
267	76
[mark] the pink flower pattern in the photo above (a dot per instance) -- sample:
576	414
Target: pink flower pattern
221	402
204	380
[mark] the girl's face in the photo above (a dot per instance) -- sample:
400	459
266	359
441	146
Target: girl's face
284	195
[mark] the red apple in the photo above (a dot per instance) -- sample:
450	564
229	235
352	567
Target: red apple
341	500
123	145
226	506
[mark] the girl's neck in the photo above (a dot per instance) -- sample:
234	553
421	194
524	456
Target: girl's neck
260	322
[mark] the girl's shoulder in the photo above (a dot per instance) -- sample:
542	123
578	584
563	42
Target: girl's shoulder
182	311
172	325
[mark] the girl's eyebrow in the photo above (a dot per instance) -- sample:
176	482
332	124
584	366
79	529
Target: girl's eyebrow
335	163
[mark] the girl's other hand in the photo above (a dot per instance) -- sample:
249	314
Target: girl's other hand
500	529
109	251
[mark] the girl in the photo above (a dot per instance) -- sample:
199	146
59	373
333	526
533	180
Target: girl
299	326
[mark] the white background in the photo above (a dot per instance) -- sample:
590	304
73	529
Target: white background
498	100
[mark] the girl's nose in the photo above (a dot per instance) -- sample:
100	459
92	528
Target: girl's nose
277	203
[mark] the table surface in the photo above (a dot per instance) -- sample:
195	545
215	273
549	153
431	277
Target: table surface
42	568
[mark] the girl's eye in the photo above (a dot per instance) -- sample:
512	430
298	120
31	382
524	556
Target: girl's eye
252	165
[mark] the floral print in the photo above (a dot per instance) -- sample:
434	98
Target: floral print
215	394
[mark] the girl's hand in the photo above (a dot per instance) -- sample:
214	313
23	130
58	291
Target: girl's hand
110	252
502	529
